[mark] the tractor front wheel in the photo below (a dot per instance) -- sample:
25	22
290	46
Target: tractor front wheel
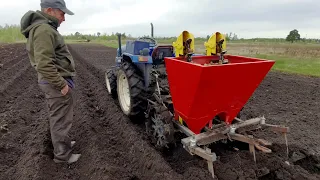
111	83
130	90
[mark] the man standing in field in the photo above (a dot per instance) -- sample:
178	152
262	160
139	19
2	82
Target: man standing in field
55	67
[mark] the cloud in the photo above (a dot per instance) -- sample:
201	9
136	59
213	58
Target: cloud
246	18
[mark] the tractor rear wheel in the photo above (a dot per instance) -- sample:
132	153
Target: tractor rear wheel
130	90
111	83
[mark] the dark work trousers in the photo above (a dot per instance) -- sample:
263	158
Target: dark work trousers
60	110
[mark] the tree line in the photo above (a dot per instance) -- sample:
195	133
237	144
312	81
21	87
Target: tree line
293	36
12	33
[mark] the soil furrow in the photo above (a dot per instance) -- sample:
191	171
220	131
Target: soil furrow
10	52
13	75
26	122
16	86
9	64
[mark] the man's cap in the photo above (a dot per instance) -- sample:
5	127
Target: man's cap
58	4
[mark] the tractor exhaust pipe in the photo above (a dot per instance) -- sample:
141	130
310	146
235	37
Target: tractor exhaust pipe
119	43
151	30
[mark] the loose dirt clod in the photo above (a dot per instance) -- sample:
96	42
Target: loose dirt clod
112	147
4	128
296	156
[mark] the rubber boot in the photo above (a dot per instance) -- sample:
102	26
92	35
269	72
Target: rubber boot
73	158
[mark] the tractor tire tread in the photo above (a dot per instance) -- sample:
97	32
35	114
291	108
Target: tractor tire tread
137	91
113	83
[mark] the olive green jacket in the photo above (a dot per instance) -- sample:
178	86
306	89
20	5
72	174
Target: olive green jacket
46	48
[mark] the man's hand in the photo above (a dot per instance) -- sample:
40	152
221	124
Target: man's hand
65	90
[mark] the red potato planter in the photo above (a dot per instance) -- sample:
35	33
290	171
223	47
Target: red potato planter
203	90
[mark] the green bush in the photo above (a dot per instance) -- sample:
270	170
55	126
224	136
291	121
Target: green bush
9	34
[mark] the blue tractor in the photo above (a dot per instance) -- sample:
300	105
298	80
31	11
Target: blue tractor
132	79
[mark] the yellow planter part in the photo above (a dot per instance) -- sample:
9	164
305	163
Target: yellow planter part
180	120
179	43
211	44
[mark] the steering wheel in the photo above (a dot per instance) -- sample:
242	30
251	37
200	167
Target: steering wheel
152	40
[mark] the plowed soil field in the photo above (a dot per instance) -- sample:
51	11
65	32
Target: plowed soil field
112	147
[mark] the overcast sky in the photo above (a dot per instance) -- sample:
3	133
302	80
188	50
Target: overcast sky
246	18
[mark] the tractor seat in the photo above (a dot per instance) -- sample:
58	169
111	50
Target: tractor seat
160	52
